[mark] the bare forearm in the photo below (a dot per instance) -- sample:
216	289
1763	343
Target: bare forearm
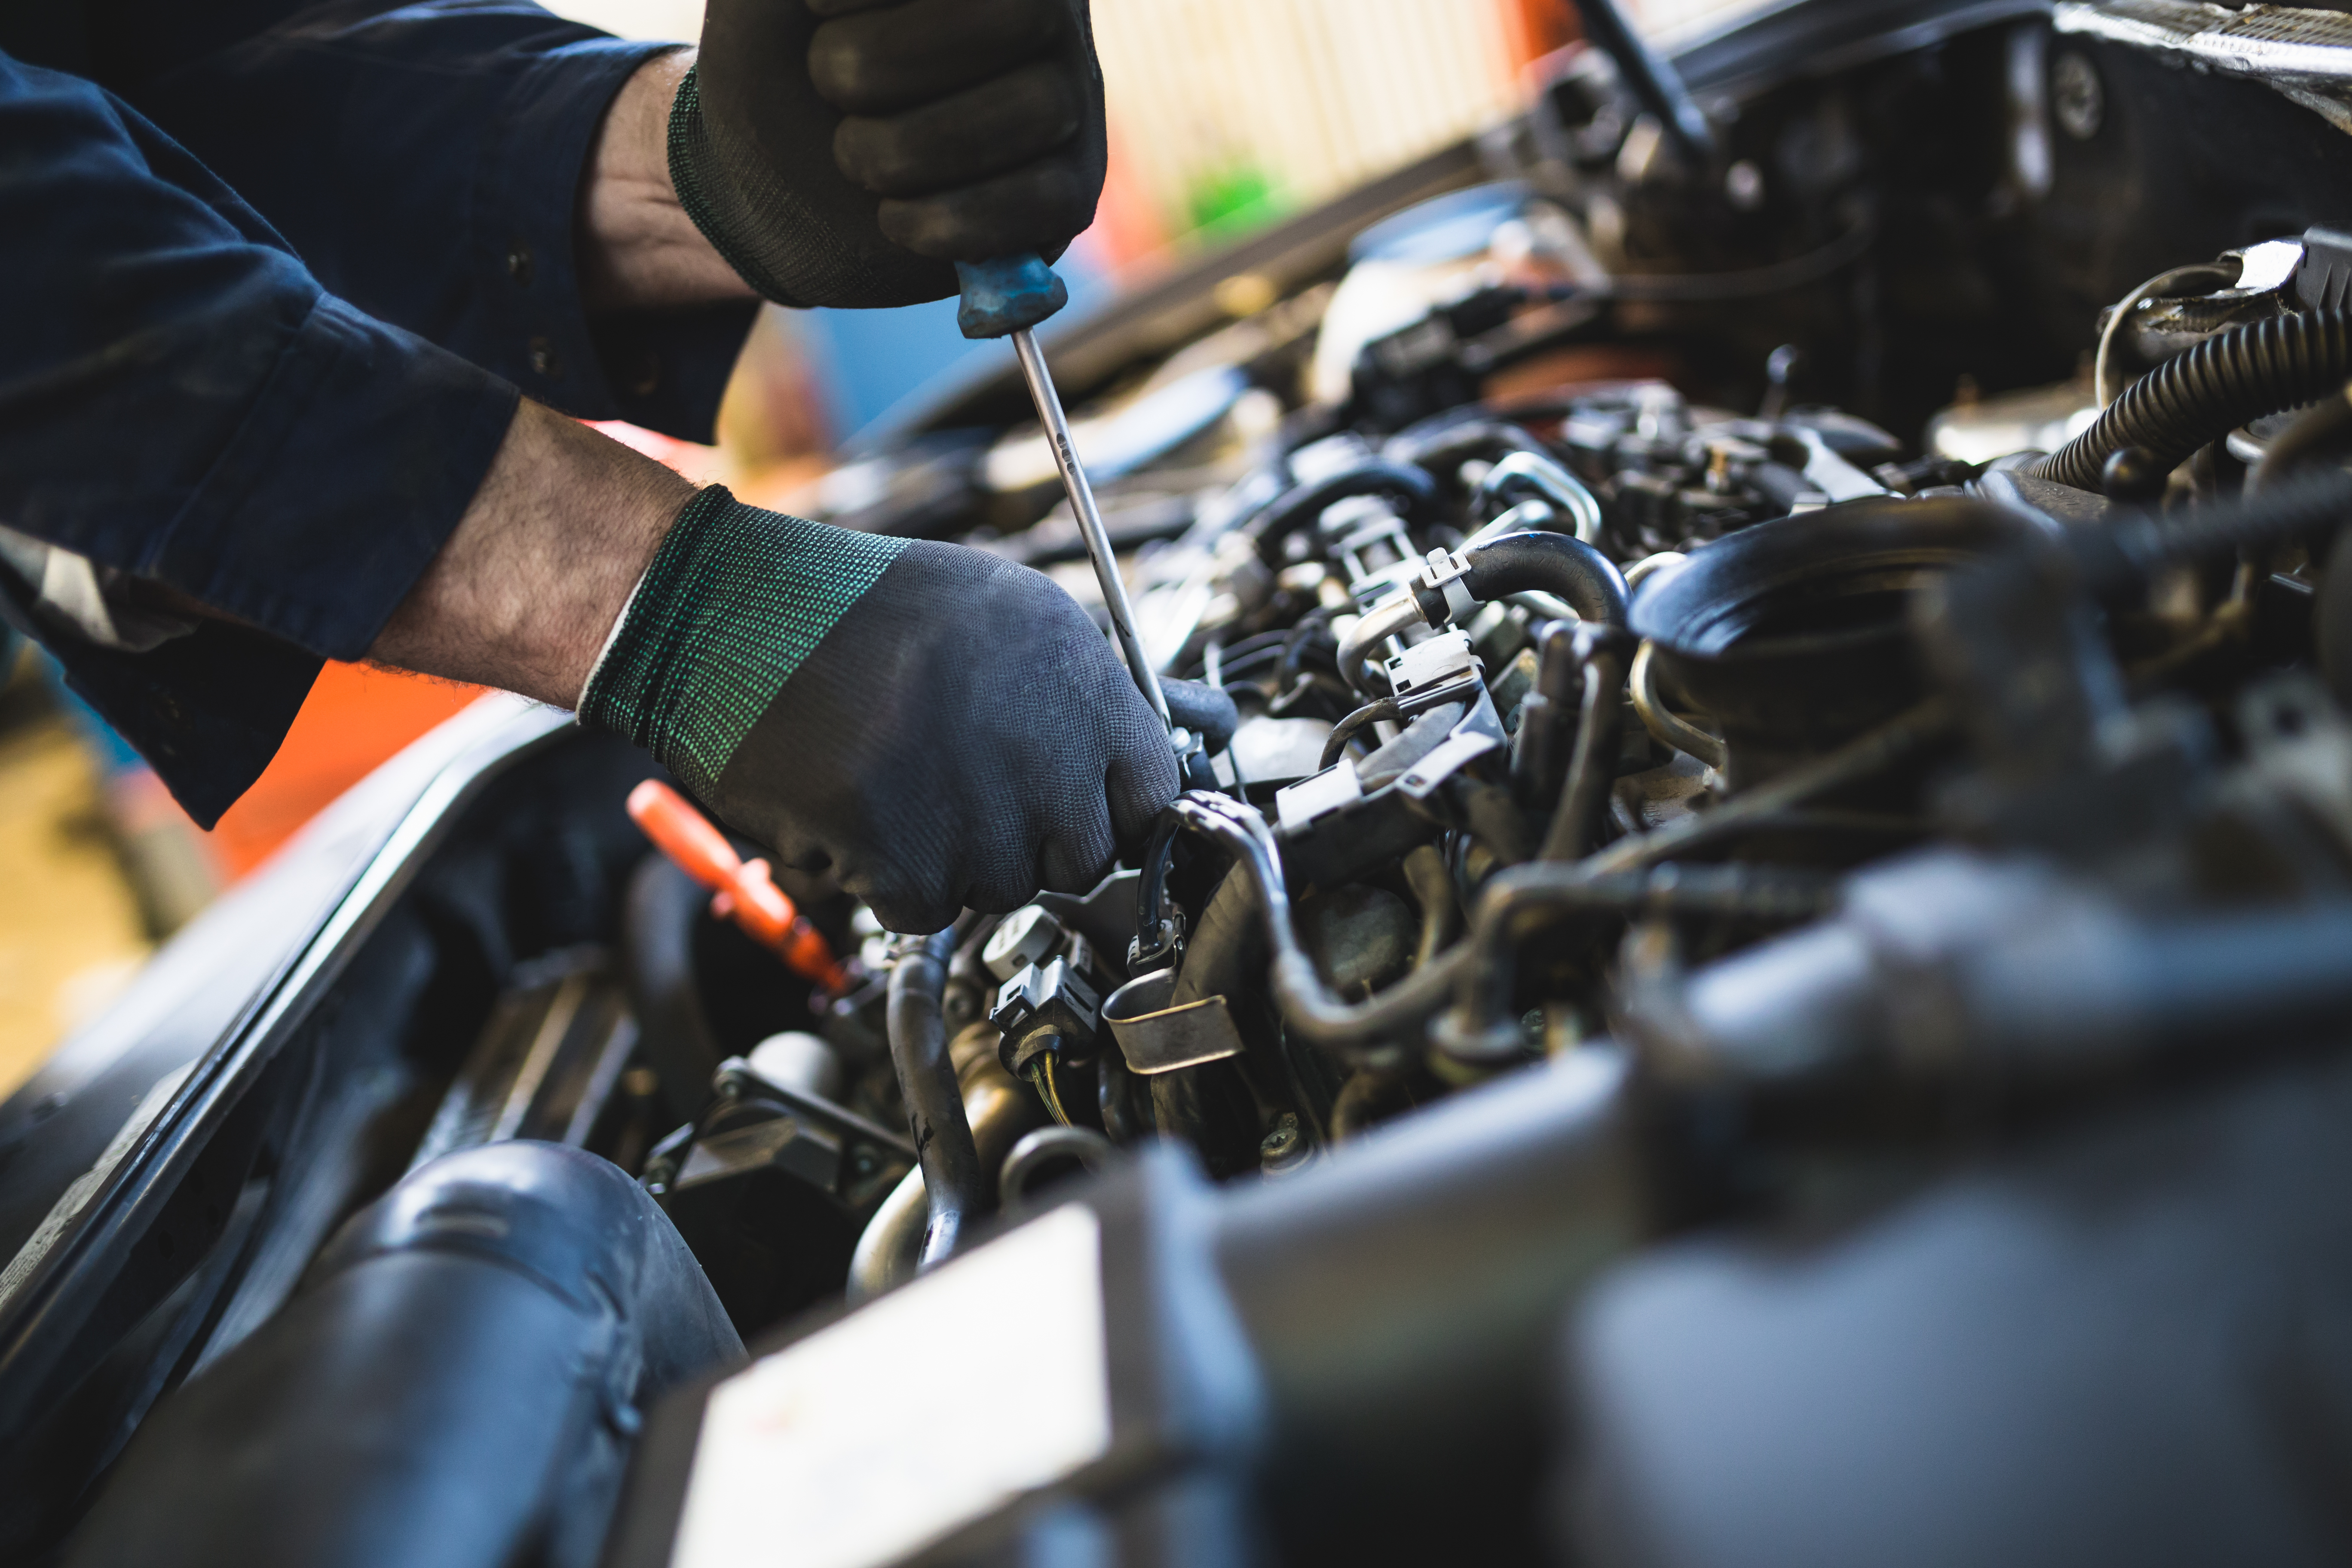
637	247
540	565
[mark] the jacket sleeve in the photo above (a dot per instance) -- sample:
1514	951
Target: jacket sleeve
425	161
182	401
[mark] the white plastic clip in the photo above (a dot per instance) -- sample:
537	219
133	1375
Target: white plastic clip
1443	572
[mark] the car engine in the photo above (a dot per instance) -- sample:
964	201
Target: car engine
1763	694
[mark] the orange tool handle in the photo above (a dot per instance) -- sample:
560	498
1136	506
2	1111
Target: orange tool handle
743	890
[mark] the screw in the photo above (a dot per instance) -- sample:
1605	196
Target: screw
1283	1149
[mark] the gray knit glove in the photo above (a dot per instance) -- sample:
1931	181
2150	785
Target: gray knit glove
940	729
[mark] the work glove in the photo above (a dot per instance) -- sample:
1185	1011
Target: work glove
848	152
938	728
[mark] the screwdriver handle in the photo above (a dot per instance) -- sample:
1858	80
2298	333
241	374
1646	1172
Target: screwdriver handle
743	890
1006	295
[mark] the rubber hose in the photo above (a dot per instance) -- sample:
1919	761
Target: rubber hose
954	1182
1226	950
1444	451
1300	507
2201	396
2308	505
1555	563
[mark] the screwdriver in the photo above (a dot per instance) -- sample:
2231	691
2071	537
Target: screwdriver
744	891
1007	297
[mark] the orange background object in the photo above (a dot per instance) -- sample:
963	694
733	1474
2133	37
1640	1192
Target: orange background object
356	717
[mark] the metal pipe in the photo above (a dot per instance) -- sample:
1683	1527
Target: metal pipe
1593	766
1312	1010
1090	523
1373	627
1525	470
1000	1111
1335	744
1667	727
953	1177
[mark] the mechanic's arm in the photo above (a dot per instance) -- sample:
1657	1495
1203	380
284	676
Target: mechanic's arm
637	248
939	727
481	172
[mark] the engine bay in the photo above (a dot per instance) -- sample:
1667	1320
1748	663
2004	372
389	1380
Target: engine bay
1756	647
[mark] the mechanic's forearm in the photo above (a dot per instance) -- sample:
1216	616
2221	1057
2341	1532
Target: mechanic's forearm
637	247
541	564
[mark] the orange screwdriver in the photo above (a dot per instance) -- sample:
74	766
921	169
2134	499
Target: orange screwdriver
742	890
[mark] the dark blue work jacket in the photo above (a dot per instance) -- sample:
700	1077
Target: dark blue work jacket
270	277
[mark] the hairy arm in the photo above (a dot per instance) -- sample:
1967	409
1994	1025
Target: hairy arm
638	246
541	564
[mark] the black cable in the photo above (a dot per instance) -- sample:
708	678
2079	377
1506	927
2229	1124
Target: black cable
1414	492
2201	395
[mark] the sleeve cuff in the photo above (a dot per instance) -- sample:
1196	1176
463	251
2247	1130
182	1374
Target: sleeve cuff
355	464
664	370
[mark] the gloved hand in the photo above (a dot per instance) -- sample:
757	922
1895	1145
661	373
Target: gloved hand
939	727
957	130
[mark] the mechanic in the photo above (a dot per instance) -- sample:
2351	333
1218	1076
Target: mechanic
303	304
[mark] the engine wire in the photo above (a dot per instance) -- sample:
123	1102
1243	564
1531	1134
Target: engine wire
2170	278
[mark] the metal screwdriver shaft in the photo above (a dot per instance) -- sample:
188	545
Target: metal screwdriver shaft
1090	523
1007	297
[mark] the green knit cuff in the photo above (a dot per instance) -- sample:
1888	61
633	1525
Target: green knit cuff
735	600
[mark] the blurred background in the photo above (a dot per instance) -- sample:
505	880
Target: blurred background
1225	116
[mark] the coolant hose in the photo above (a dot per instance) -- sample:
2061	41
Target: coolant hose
1415	491
954	1184
1554	564
2203	394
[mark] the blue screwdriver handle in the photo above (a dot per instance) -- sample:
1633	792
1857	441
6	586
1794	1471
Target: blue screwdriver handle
1007	295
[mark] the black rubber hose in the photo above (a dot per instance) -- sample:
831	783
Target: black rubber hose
1207	710
1555	563
1298	506
1444	450
2201	396
953	1181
